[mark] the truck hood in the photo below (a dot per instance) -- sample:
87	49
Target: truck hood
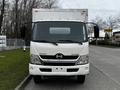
39	48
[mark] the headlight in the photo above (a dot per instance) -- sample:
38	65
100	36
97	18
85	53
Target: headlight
34	59
83	60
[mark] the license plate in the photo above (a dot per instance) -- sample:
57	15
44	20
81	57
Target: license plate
58	69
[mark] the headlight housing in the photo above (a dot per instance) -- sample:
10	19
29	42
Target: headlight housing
34	59
84	59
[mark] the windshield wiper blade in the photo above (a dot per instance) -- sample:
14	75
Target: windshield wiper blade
72	41
45	41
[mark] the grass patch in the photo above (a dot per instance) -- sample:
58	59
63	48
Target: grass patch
13	68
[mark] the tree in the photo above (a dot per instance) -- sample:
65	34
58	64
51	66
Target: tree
49	4
2	13
18	13
111	21
101	22
22	14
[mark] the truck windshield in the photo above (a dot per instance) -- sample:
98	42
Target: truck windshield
59	31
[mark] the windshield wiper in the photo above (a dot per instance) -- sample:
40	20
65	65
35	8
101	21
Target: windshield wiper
45	41
71	41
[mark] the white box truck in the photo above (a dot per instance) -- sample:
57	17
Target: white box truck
59	45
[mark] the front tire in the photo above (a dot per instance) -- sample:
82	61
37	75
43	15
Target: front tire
37	79
81	79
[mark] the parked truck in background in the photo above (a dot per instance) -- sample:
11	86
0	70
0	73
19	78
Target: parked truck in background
59	45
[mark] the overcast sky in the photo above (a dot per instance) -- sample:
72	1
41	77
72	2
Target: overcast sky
101	8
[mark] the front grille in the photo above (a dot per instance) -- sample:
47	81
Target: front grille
54	57
58	64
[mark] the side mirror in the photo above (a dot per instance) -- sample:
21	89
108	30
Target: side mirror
96	31
23	32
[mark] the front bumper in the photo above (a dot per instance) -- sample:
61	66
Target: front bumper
58	70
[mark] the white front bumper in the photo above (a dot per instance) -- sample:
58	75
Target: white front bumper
58	70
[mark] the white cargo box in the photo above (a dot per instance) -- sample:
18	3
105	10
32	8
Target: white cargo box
80	15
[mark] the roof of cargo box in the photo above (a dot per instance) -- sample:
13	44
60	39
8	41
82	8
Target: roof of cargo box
78	15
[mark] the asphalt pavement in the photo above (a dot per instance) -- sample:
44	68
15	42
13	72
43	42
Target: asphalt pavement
104	74
107	60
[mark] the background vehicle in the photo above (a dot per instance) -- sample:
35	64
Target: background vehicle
59	45
116	36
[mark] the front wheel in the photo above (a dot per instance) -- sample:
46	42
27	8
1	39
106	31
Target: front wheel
37	79
81	79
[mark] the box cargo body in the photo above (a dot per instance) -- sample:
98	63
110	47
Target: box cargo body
80	15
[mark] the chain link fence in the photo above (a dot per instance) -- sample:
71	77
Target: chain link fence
13	44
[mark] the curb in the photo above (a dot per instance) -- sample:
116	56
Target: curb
106	74
23	83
